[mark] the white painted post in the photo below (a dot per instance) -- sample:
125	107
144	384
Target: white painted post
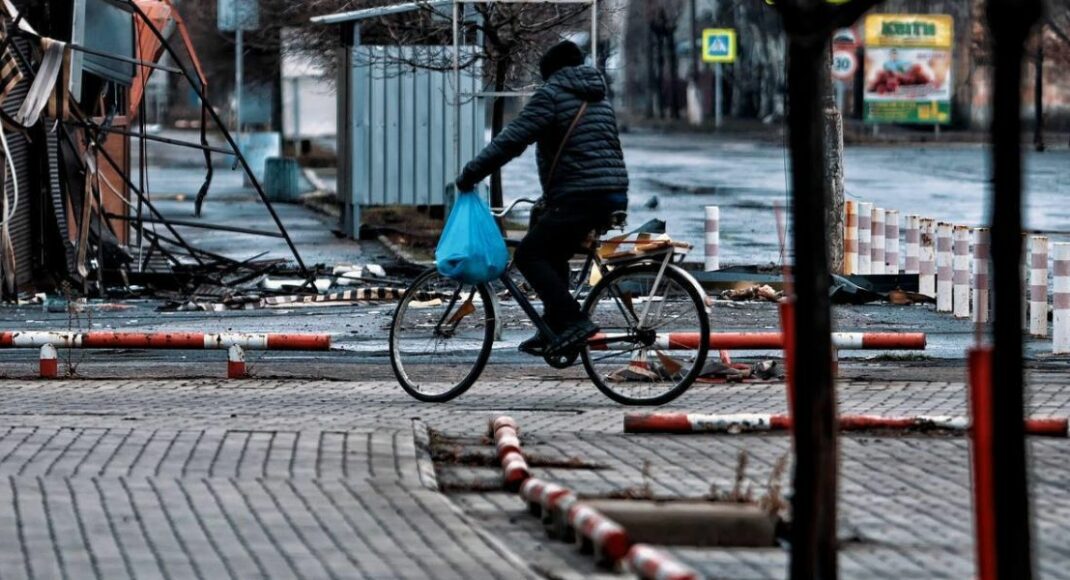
1038	286
981	256
713	238
865	239
891	241
961	271
927	257
1025	282
876	254
850	238
913	248
1061	299
944	270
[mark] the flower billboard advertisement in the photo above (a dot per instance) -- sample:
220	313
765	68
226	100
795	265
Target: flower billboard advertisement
908	68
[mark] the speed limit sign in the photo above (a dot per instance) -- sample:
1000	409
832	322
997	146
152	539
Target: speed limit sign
844	64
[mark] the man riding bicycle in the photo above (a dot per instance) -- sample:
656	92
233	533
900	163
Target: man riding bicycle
583	177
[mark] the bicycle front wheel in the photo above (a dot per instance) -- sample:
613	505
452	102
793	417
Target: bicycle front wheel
441	337
652	344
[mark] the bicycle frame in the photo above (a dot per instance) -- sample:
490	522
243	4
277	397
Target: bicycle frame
591	260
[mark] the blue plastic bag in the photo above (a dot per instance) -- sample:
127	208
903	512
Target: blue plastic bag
471	248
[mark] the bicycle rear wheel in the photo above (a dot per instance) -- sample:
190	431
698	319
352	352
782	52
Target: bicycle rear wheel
648	351
441	337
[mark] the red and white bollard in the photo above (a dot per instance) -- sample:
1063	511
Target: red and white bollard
850	238
1038	286
981	256
713	238
1061	299
891	241
865	237
49	366
927	257
236	363
876	241
944	267
913	240
960	278
652	564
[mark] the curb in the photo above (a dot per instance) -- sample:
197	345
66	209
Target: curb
568	519
758	422
425	465
401	254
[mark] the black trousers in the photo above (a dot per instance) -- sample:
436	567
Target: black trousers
543	256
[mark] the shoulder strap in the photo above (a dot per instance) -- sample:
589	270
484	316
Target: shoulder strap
564	141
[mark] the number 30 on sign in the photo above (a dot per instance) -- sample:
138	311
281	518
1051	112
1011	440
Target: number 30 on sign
844	64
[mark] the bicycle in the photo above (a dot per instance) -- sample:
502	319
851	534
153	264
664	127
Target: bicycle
651	312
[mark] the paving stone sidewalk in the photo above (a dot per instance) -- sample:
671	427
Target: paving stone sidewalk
323	479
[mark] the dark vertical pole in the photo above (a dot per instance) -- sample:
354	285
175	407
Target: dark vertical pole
1009	22
813	543
1038	94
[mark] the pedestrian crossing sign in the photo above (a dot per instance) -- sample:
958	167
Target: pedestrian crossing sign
719	45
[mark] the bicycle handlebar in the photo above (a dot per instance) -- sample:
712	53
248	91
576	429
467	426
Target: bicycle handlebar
506	211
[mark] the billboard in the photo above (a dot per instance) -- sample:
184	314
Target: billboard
908	68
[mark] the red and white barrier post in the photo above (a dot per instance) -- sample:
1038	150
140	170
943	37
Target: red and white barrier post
1061	299
981	257
765	341
236	363
1038	286
598	534
944	268
713	238
850	238
1025	282
913	244
927	257
865	237
652	564
891	241
49	365
876	242
756	422
165	340
960	278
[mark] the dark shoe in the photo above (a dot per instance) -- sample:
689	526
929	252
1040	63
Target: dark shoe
534	346
573	337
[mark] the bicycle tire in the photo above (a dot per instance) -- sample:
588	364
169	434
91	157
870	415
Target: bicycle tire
472	376
690	285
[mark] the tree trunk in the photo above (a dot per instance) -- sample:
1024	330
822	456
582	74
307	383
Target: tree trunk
674	67
813	542
1038	94
660	74
1009	22
834	171
497	121
651	73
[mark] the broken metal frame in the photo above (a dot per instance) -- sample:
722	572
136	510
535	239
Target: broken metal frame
94	130
199	89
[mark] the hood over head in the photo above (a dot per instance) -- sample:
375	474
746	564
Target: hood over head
583	81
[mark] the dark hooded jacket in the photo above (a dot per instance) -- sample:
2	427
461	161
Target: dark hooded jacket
591	169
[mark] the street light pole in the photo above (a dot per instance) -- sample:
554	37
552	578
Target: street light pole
237	80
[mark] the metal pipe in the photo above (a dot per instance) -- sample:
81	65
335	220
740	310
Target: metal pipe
147	137
189	224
